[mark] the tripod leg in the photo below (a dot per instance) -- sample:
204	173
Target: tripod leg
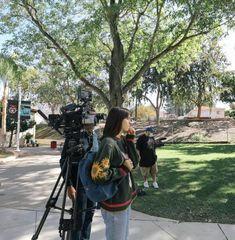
68	237
65	224
50	203
76	207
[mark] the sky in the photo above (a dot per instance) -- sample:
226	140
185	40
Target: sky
227	44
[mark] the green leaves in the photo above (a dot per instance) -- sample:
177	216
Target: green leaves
84	36
8	68
228	86
200	83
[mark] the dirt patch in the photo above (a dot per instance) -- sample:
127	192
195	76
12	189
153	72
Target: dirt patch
210	130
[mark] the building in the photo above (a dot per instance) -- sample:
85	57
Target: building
207	112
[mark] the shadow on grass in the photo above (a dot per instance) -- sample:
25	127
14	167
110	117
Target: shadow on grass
199	149
205	193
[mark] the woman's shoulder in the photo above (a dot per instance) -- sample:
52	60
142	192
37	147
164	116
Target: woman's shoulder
108	140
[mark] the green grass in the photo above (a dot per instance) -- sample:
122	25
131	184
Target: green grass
5	154
44	131
197	183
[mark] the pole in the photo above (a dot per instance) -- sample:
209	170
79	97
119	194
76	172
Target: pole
18	122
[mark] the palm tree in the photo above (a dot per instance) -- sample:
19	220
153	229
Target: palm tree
8	72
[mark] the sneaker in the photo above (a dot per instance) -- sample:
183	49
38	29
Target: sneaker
146	185
155	185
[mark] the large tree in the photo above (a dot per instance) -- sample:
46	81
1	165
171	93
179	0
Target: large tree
109	44
200	84
159	78
155	81
228	84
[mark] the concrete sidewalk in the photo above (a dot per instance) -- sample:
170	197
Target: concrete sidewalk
26	184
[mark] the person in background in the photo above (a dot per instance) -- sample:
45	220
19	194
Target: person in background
147	145
116	158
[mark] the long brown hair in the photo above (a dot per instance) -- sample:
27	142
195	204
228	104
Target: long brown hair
114	120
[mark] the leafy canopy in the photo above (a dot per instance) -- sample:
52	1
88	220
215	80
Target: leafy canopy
107	44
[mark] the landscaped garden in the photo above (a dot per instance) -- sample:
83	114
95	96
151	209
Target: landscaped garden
197	183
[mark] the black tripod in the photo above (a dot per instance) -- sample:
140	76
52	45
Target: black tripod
65	225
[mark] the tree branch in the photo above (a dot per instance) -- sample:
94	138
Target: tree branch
33	14
170	48
152	104
159	10
106	45
131	44
133	38
104	3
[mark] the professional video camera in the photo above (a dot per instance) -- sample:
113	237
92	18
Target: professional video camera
72	124
74	117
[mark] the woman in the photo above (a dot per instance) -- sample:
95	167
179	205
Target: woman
116	157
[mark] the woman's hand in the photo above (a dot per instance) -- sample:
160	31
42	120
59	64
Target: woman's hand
71	192
128	164
131	131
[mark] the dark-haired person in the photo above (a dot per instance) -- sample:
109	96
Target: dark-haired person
89	141
147	145
116	158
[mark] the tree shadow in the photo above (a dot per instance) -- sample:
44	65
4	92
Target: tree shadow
200	149
193	191
28	183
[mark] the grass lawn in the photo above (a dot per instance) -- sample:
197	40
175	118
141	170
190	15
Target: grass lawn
43	131
197	183
5	154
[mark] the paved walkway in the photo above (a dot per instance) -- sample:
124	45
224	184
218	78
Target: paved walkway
27	181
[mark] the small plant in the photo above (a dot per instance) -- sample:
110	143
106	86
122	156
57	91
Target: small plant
28	136
199	137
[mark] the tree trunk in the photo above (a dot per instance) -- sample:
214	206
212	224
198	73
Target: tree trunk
116	68
136	108
11	136
158	105
4	114
199	110
157	110
52	109
115	76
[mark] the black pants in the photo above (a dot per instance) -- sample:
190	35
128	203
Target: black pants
83	231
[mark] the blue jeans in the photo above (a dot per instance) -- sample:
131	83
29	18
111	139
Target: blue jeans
84	218
117	224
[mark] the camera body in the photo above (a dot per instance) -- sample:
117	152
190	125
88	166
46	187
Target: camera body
74	117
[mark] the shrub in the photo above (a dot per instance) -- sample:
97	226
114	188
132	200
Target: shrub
230	113
199	137
28	136
145	112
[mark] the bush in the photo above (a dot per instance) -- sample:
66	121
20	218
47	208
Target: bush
145	112
199	137
227	113
230	113
28	136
